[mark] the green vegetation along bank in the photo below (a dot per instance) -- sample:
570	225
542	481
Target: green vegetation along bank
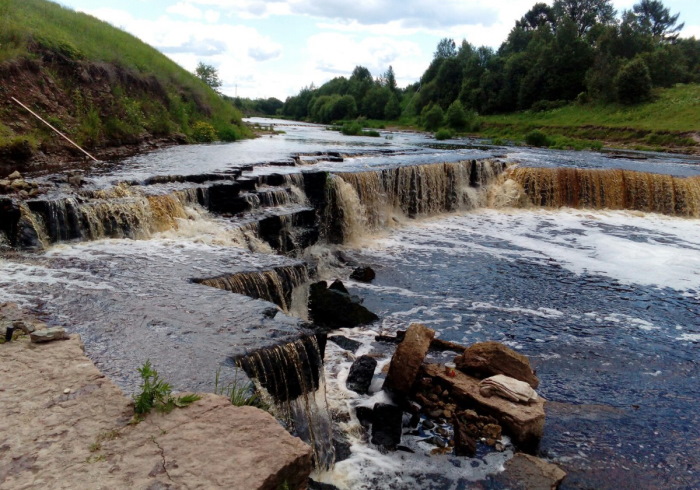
102	87
576	71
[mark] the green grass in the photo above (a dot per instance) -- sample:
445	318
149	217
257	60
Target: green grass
31	28
659	124
157	394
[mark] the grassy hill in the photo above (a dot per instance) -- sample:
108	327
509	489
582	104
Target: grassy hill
102	86
671	121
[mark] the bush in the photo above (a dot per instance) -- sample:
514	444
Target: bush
229	133
633	82
537	138
353	128
203	132
443	134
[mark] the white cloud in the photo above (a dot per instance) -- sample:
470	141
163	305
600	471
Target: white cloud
185	9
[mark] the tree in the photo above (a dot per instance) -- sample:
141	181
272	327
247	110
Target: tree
540	15
633	82
392	110
455	117
446	48
209	75
389	79
432	117
585	13
654	18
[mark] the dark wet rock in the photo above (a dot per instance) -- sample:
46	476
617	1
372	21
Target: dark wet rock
343	258
342	448
443	345
338	285
364	415
315	485
404	449
428	424
345	343
523	422
361	373
465	438
386	425
225	198
490	358
526	472
363	274
408	358
335	309
395	339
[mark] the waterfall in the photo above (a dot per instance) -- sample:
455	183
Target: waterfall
274	285
611	189
291	378
363	202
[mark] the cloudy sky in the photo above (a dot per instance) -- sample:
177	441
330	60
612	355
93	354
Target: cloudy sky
274	48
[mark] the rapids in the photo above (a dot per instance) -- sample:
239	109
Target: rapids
198	258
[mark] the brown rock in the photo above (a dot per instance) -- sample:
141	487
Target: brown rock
49	334
525	472
465	438
408	358
523	422
490	358
14	175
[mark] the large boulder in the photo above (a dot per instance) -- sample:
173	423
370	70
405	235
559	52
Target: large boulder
361	373
524	422
334	308
387	421
363	274
489	358
526	472
408	358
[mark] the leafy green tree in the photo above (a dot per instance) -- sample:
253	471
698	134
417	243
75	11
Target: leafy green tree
654	18
584	13
209	75
455	116
389	79
633	82
446	48
540	15
432	117
375	101
392	110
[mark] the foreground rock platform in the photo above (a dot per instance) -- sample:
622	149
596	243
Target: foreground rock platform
65	425
523	422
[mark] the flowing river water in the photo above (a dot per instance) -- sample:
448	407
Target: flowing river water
604	300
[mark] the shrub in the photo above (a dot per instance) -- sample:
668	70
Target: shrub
537	138
229	133
443	134
633	82
203	132
353	128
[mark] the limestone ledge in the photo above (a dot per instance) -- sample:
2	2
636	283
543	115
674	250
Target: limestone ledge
65	425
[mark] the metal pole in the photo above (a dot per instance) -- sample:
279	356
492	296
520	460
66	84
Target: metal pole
57	131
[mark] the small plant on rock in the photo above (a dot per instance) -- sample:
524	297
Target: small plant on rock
239	395
156	393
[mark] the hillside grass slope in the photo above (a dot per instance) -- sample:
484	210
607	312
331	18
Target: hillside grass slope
100	85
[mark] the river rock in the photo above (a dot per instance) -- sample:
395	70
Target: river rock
14	175
361	373
486	359
464	437
345	343
523	422
332	308
387	421
526	472
363	274
408	358
49	334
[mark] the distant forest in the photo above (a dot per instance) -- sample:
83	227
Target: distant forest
574	50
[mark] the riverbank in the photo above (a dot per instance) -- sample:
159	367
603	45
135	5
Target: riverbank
66	425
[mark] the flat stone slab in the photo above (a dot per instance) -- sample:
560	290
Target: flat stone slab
66	426
525	472
523	422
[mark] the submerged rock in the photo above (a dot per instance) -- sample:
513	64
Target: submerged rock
363	274
526	472
361	373
333	308
345	343
486	359
408	358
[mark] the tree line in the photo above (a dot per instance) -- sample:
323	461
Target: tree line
572	50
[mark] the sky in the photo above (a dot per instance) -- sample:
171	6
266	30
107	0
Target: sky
275	48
